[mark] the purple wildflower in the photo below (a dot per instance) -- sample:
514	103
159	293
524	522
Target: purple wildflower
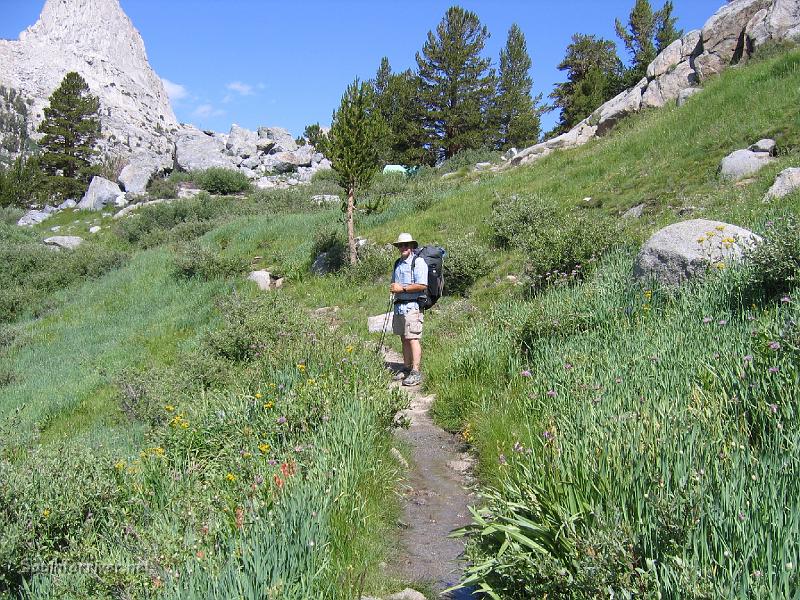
525	373
706	320
502	459
786	300
774	345
748	358
259	480
741	516
757	573
547	435
551	393
722	322
567	366
326	418
281	420
773	408
298	448
518	447
272	462
773	369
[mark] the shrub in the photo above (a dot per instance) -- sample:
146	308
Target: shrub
10	214
466	261
558	243
374	262
773	267
156	224
194	260
22	183
331	240
325	175
223	182
384	187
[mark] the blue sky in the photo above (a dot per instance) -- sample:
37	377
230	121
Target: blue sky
264	62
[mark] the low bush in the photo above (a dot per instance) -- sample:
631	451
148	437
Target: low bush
773	266
171	221
22	183
558	243
10	214
196	260
468	159
466	262
167	187
331	240
374	262
222	182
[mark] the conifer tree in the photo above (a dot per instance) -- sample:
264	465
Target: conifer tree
647	33
515	114
353	142
71	126
594	75
456	83
397	100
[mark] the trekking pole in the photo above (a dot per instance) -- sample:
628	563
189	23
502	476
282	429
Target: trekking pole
385	322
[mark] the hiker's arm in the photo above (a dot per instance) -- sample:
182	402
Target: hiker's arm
397	288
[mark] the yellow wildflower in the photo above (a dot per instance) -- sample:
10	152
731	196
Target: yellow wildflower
264	448
720	265
119	465
720	227
158	451
648	294
701	239
169	408
349	349
311	381
230	477
246	455
185	424
301	367
258	395
46	513
268	405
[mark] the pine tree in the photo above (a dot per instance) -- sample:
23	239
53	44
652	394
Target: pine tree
594	75
398	102
353	142
71	126
515	114
646	35
456	83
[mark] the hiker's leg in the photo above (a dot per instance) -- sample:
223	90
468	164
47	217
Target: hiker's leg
408	355
416	353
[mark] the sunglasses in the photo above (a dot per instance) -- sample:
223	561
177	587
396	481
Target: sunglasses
405	245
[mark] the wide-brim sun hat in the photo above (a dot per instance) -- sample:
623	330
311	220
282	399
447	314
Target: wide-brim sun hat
405	238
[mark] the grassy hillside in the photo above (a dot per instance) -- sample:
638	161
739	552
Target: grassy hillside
161	414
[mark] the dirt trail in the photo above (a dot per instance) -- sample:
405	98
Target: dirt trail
437	492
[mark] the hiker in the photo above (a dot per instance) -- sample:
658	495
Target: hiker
408	317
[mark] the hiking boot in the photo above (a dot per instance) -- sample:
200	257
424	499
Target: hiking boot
401	374
413	378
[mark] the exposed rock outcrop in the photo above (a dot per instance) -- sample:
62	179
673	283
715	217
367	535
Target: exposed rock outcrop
101	193
786	183
731	35
687	249
75	35
68	242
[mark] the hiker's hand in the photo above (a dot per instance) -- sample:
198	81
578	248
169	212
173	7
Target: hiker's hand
396	288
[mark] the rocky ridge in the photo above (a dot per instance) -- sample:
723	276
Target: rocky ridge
96	39
730	36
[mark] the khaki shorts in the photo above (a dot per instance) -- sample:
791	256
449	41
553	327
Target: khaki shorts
408	326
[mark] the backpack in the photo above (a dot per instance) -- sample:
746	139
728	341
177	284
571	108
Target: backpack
434	258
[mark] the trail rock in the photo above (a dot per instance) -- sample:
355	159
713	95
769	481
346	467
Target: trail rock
380	323
687	249
100	193
265	280
787	182
742	163
68	242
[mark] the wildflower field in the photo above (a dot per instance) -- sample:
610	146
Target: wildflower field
169	431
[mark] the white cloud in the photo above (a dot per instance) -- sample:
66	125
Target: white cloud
244	89
175	91
205	111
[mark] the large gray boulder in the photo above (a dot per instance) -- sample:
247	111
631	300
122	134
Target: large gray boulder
283	140
140	169
743	163
101	192
685	94
786	182
196	150
242	142
687	249
668	86
284	162
723	36
780	22
68	242
619	107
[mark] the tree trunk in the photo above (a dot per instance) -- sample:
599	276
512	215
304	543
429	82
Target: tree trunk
351	234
